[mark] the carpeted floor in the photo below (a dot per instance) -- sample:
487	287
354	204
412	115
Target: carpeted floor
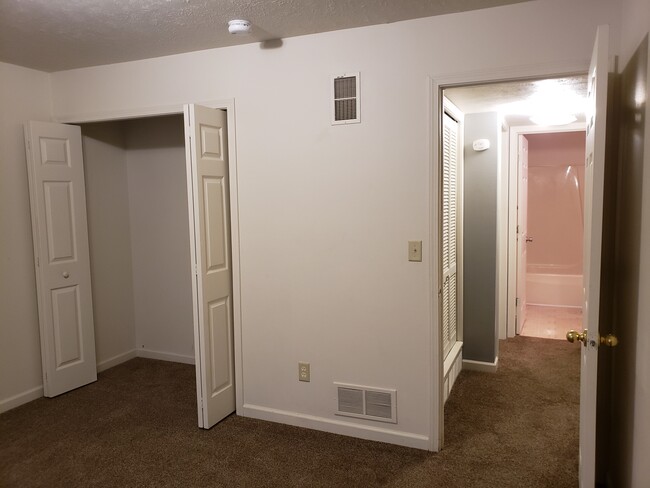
136	426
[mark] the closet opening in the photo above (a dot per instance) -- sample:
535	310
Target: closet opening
132	233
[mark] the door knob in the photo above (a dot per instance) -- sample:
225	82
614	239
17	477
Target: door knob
529	239
66	274
574	335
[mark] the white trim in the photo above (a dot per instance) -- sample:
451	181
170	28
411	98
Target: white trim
513	170
482	366
434	374
341	427
164	356
20	399
115	360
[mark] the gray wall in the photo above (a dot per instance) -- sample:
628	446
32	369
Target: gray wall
480	333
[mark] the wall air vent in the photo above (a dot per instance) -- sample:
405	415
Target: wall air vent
367	402
345	99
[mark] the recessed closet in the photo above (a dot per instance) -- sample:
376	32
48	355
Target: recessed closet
136	200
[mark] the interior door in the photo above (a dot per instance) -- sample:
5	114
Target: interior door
522	233
60	236
594	183
208	193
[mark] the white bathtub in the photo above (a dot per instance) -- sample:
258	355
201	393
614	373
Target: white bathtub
561	290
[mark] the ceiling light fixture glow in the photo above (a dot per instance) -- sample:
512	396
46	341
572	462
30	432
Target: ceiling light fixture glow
553	119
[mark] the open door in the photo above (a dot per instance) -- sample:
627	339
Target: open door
522	232
207	181
594	183
60	235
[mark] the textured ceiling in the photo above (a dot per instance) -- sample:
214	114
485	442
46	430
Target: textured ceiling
507	97
54	35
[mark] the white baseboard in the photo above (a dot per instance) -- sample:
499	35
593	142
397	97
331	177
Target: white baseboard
21	399
164	356
115	360
482	366
368	432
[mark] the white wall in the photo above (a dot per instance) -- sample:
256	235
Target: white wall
635	23
160	247
24	95
326	212
109	238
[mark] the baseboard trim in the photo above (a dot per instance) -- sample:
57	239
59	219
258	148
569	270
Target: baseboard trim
20	399
164	356
115	360
482	366
336	426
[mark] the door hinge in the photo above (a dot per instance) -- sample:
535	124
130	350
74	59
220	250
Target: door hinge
517	228
196	270
516	301
38	261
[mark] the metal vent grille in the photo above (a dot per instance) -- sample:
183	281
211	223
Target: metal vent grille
346	99
367	403
379	404
351	400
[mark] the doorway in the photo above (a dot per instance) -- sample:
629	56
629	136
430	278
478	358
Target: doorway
494	125
550	238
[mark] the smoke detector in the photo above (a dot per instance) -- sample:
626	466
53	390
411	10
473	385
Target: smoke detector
239	27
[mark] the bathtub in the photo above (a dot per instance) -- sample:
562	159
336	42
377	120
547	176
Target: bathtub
561	290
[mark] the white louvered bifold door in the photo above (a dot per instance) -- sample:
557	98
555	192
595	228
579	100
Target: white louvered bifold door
449	223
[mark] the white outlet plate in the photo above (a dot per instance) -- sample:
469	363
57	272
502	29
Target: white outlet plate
304	372
415	251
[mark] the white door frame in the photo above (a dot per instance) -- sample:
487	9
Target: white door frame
177	109
513	184
436	85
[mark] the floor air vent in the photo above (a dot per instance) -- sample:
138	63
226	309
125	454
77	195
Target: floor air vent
366	402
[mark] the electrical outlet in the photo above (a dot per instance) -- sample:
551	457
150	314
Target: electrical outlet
415	251
304	373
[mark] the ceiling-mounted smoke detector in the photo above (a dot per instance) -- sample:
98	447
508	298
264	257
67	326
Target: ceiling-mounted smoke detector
239	26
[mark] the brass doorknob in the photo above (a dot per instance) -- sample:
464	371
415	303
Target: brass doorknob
609	340
574	335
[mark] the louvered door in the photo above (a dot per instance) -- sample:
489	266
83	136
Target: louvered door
448	231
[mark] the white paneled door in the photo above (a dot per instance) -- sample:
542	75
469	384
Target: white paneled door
208	194
594	183
60	235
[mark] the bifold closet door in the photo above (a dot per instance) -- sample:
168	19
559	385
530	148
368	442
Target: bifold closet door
208	194
450	138
61	255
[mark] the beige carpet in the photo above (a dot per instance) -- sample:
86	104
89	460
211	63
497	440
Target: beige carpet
136	426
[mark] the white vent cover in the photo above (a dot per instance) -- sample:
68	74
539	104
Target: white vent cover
367	402
345	99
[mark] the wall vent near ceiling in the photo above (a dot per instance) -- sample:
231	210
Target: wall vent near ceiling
367	402
345	99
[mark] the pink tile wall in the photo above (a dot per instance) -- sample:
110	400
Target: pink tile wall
555	202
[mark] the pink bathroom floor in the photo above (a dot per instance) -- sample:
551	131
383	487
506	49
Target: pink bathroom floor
551	322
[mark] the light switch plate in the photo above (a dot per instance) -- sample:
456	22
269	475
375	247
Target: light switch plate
415	251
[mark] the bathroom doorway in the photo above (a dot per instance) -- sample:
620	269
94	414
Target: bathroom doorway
550	232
